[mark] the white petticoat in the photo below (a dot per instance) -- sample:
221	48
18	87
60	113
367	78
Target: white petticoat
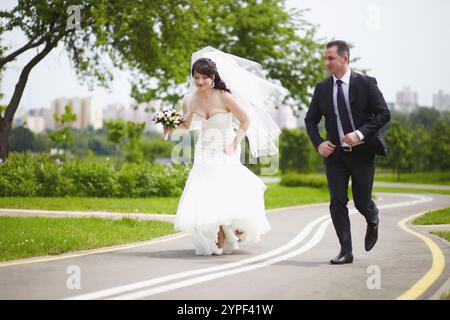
220	190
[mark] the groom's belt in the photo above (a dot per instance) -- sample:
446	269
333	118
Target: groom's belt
348	148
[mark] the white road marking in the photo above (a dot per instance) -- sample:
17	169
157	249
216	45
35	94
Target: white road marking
145	293
324	220
138	285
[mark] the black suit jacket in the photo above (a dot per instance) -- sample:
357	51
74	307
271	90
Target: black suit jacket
369	110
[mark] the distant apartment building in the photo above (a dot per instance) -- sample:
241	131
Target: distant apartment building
38	120
88	111
139	112
441	101
145	111
406	100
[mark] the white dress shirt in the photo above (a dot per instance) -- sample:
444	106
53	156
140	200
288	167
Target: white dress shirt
345	88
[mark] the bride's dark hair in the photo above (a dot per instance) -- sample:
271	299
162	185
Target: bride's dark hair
208	67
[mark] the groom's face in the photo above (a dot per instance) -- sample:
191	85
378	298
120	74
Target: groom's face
334	62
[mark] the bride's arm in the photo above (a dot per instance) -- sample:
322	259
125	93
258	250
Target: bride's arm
240	114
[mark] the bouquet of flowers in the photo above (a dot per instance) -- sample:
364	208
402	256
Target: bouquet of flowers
169	118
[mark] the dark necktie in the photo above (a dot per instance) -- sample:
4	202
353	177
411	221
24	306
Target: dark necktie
342	109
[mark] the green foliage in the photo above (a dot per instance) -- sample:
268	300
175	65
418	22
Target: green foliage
399	141
296	151
156	148
17	176
264	31
440	137
154	39
293	179
116	130
22	139
25	174
146	179
129	133
91	179
424	117
133	148
424	143
64	136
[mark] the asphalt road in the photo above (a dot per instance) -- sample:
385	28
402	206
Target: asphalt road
290	262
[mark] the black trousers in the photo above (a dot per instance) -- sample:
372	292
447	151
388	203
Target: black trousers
360	166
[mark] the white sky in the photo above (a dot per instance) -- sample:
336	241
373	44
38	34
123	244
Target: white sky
402	43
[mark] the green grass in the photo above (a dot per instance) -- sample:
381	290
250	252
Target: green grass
27	237
277	196
417	177
445	296
129	205
441	216
409	190
443	234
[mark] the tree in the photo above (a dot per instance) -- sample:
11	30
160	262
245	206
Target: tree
440	138
133	147
421	157
295	151
64	136
400	148
44	25
424	116
264	31
122	132
22	139
155	38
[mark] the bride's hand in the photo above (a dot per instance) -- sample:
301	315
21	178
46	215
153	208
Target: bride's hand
168	130
229	149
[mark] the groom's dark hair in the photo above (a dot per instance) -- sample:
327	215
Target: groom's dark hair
342	47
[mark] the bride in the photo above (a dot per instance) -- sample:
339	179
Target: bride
222	203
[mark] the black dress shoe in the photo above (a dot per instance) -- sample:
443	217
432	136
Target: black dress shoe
342	258
371	236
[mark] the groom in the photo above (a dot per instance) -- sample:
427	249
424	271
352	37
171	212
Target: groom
354	111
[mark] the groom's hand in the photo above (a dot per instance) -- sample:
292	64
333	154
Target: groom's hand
326	148
351	138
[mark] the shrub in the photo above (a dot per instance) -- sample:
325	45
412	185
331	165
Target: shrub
17	176
29	175
293	179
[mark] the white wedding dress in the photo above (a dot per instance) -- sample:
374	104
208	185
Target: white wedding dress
220	191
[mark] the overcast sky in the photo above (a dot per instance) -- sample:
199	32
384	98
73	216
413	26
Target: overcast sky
402	43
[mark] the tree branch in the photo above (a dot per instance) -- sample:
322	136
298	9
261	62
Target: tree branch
21	50
28	45
20	86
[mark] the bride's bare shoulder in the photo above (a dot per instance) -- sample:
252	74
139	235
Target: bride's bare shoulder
186	102
188	97
226	97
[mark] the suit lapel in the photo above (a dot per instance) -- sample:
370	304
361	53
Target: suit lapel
329	89
353	88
